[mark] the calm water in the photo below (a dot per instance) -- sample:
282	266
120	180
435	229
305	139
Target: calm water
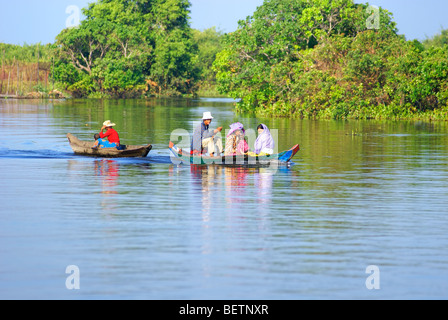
359	194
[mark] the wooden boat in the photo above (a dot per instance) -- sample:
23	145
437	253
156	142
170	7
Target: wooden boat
283	157
85	148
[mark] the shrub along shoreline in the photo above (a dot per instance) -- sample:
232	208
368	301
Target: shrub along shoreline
320	60
313	59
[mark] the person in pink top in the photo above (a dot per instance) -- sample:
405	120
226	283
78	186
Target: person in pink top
236	143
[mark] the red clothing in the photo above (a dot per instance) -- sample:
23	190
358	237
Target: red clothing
112	136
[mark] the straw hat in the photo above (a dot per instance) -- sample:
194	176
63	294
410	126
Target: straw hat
109	124
207	116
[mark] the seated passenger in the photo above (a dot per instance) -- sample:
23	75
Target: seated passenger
97	138
236	144
264	145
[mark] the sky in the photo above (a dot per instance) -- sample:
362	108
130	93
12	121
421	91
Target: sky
33	21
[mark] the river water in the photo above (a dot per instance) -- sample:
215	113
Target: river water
360	194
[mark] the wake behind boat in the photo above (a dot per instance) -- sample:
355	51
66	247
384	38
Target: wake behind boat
85	148
283	157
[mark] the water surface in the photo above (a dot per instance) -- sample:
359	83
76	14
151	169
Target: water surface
360	193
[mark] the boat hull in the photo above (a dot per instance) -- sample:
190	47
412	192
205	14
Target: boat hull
84	148
283	157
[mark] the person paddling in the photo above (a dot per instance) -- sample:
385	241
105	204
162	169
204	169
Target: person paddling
111	134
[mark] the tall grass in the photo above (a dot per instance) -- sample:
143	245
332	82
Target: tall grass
25	69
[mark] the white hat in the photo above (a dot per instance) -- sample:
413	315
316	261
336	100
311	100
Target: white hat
109	124
207	116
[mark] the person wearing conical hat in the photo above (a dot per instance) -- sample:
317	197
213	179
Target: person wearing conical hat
113	139
205	140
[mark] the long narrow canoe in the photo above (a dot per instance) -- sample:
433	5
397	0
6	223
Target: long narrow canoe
283	157
85	148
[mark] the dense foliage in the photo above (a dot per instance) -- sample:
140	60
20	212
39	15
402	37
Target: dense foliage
125	47
439	40
26	53
25	68
319	58
308	58
209	45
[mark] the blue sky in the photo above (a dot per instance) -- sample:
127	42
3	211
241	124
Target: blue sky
32	21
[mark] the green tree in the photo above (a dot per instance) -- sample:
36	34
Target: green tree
175	50
123	44
439	40
318	58
209	44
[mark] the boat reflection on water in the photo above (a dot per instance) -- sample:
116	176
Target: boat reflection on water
238	198
233	186
101	178
108	171
263	184
206	179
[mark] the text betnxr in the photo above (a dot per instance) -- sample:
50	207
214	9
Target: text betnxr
246	309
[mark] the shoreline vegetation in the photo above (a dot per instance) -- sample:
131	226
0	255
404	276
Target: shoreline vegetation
332	60
313	59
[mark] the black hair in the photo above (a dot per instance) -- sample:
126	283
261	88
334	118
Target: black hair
96	136
260	127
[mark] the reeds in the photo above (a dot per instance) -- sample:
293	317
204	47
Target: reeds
20	78
20	75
